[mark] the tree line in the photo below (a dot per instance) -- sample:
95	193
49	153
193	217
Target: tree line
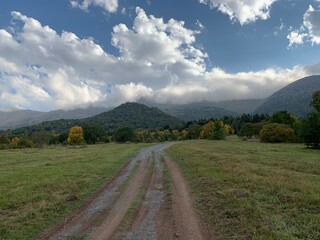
281	127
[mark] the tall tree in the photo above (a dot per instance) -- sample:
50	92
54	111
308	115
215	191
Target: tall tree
315	103
76	136
310	129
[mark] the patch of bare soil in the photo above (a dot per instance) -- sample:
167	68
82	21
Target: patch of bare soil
97	206
118	211
187	223
159	217
144	225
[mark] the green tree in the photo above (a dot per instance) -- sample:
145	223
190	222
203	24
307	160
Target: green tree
76	136
315	103
218	132
41	138
124	134
207	130
276	133
94	134
283	117
250	130
194	131
310	127
4	139
310	130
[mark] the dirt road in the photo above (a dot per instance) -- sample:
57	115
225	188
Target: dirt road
135	204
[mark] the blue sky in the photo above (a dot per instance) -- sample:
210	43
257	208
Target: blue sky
66	54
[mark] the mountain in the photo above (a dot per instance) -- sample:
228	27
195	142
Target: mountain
294	98
135	115
196	111
207	110
15	118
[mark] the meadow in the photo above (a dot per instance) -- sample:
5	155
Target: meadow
40	186
253	190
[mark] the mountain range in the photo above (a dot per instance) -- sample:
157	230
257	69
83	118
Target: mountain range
295	98
135	115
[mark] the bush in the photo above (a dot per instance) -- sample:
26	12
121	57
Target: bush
250	130
124	134
276	133
218	132
309	131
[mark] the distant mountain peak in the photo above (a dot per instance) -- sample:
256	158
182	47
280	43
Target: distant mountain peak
294	98
10	109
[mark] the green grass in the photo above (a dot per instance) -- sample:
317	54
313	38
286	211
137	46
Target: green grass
35	184
251	190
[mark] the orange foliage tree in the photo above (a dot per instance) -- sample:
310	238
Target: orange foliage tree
76	136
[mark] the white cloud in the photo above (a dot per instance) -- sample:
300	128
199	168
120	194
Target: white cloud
245	11
311	20
296	38
107	5
309	31
43	70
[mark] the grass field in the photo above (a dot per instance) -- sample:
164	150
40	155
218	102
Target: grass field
251	190
39	186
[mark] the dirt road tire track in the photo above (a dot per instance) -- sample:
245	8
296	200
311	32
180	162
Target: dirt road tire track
187	223
120	208
157	219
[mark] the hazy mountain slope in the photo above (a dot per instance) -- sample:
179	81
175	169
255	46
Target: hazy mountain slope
196	111
22	118
207	110
294	98
240	106
18	118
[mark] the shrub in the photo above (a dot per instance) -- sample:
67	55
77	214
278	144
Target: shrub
250	130
310	130
124	134
276	133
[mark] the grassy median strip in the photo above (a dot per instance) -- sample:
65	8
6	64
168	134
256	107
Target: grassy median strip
251	190
135	205
39	186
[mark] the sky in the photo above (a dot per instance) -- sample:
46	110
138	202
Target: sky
66	54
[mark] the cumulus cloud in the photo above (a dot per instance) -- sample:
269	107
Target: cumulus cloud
43	70
309	31
296	38
107	5
245	11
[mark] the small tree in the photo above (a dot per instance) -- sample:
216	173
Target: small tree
4	139
250	130
283	117
41	138
276	133
310	128
124	134
218	132
315	103
76	136
207	130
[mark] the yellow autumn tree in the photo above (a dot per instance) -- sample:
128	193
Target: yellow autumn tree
75	136
207	130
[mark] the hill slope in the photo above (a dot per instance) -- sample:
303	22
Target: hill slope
294	98
135	115
21	118
207	110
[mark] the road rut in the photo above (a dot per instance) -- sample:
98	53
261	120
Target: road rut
101	216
